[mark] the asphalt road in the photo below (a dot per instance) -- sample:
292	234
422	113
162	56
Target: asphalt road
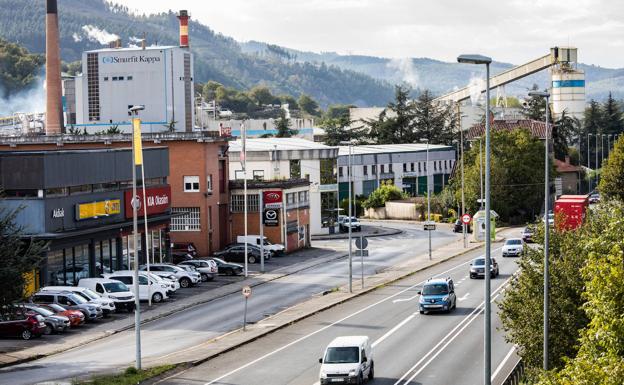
203	322
409	348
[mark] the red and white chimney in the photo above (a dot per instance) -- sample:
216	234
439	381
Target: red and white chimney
184	30
54	106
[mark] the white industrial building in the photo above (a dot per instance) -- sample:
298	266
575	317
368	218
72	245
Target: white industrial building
293	158
113	79
405	165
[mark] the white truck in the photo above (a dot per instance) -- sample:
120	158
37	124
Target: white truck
275	248
347	360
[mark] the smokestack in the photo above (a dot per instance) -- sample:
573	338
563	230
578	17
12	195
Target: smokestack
184	32
54	107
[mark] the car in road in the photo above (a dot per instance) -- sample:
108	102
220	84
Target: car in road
76	317
107	305
513	247
54	323
457	227
594	198
344	222
207	268
347	360
275	248
236	253
437	295
69	300
477	268
21	323
228	268
157	289
551	219
111	289
186	278
527	234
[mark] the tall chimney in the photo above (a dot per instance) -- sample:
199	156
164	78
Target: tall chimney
54	107
184	32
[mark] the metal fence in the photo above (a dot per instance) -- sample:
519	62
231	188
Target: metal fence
516	375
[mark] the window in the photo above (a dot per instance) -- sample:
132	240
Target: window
105	78
82	189
390	168
209	183
303	198
258	174
121	78
291	199
445	165
424	166
328	171
440	165
115	78
374	169
295	169
340	171
57	192
383	171
142	280
435	166
404	167
412	166
191	184
237	203
418	166
239	175
129	78
189	220
365	170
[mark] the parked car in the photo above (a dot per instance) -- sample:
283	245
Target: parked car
347	360
551	219
255	240
344	222
594	198
157	289
457	227
477	268
106	304
180	256
184	247
111	289
21	323
236	253
69	300
513	247
76	317
228	268
54	323
437	295
527	234
206	267
186	278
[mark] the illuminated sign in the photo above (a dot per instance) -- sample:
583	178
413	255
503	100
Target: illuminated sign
158	200
272	199
94	210
131	59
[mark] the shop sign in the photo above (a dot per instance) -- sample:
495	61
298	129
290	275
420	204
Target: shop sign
99	209
58	213
271	217
272	199
328	187
158	201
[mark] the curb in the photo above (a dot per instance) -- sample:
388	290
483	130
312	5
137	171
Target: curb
391	231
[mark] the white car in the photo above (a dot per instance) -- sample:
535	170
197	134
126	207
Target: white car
157	289
347	360
344	222
551	219
107	305
207	268
112	289
513	247
186	278
275	248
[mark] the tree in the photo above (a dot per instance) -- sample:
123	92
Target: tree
386	192
291	101
592	124
18	67
283	126
308	105
564	130
262	95
433	121
19	257
209	90
613	121
612	175
535	108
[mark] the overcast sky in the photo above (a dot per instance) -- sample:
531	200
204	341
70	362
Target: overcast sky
512	31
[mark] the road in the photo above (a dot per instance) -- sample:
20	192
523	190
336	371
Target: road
409	348
203	322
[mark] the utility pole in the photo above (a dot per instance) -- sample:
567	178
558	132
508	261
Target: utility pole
481	173
588	163
463	198
350	171
428	201
244	165
261	216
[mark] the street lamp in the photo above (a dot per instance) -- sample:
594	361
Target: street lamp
588	162
545	95
480	59
349	173
427	224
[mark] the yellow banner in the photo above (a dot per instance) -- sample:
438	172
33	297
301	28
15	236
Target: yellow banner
98	209
136	142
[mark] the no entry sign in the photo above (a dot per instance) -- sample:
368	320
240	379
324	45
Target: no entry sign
466	218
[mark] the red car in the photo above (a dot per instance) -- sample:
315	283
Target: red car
22	324
76	318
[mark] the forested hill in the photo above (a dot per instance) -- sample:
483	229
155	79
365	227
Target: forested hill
217	57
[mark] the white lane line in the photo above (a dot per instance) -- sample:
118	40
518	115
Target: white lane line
405	299
330	325
467	320
391	331
500	367
464	297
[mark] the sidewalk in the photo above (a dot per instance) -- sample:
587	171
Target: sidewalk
201	353
82	337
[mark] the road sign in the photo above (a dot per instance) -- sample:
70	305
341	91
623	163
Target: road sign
247	291
271	217
361	253
466	218
361	243
429	226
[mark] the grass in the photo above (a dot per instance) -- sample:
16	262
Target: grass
130	376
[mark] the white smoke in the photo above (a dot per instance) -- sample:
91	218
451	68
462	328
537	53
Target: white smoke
406	70
475	86
77	37
135	39
101	36
31	100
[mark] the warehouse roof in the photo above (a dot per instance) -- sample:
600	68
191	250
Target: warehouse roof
391	148
279	144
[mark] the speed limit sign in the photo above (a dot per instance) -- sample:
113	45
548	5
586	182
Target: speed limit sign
466	218
246	291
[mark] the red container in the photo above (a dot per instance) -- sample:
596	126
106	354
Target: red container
570	211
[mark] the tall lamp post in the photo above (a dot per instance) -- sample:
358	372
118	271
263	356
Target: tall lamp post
545	95
137	160
349	213
427	224
588	163
480	59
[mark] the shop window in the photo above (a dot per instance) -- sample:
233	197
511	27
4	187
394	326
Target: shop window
191	184
82	189
189	220
57	192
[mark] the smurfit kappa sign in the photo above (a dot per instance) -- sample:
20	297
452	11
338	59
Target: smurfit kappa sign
131	59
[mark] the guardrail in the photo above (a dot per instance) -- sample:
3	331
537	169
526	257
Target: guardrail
516	375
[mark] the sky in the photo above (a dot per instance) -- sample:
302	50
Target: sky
513	31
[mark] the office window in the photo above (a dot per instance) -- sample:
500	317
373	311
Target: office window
390	167
435	166
295	169
189	220
374	169
424	166
121	78
404	167
209	183
382	168
303	198
191	183
115	78
129	78
105	78
237	203
239	175
365	170
291	199
413	166
419	167
440	165
258	174
340	171
82	189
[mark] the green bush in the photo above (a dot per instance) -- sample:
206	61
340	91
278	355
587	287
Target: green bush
386	192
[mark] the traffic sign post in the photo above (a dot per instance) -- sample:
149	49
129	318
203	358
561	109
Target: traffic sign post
361	243
429	226
466	218
246	293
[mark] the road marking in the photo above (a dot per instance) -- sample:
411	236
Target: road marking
332	325
391	331
500	367
405	299
464	297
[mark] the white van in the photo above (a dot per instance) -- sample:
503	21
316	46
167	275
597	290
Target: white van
157	289
90	296
276	249
347	360
112	289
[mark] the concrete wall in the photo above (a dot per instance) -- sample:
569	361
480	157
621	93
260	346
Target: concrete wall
402	210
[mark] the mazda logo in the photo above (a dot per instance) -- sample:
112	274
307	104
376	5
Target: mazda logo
273	196
271	214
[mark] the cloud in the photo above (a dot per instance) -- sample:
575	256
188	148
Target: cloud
97	35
